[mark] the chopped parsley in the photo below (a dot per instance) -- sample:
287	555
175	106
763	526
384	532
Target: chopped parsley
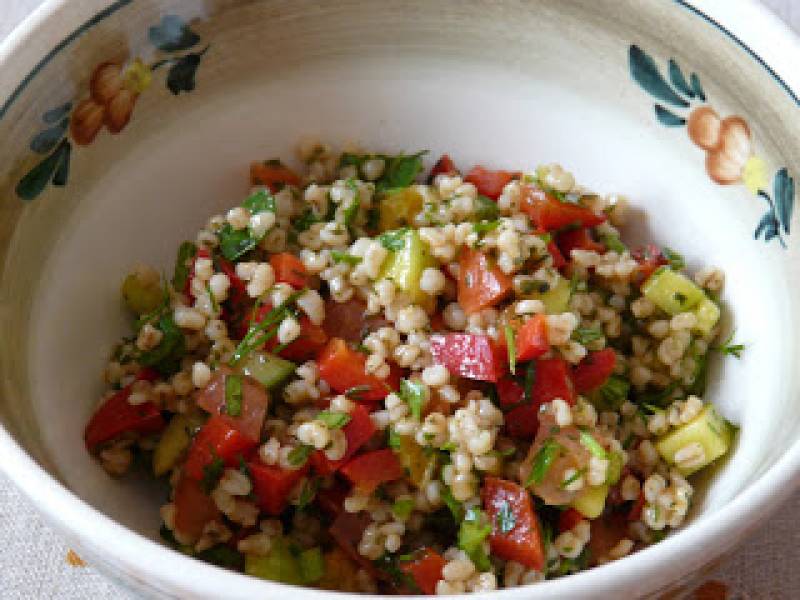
333	419
264	330
485	208
394	240
180	277
344	257
484	227
543	460
455	507
676	260
471	535
299	455
234	243
585	335
351	211
592	445
413	393
729	348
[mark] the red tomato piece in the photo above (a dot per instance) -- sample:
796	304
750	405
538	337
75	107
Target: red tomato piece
254	403
219	438
480	283
311	340
272	174
568	519
272	485
523	421
509	392
519	538
367	471
116	416
549	213
443	166
193	508
552	381
531	339
344	369
288	269
425	570
469	355
349	321
577	239
489	183
357	432
558	258
594	370
331	500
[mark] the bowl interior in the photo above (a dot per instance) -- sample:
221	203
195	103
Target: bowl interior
513	84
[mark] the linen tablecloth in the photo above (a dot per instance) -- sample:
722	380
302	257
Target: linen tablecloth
35	563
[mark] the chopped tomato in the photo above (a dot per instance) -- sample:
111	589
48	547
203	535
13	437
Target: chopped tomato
469	355
509	392
117	416
577	239
254	403
357	432
347	530
273	174
349	320
635	513
568	519
367	471
306	346
549	213
344	369
558	258
218	438
288	269
594	370
515	534
523	422
331	500
272	485
480	283
531	339
649	258
552	381
193	508
489	183
443	166
425	569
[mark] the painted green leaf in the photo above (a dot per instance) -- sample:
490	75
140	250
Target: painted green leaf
34	182
678	80
172	35
46	140
182	73
697	87
783	186
767	226
645	72
62	171
54	115
668	118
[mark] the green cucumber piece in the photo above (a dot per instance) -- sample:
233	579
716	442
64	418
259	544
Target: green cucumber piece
707	314
672	292
174	441
709	429
269	370
279	565
555	299
592	501
405	265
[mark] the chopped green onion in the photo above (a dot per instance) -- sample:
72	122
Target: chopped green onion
233	395
213	298
333	419
351	212
592	445
344	257
729	348
530	379
676	260
573	478
585	335
413	393
268	326
512	348
543	460
471	535
299	455
186	251
456	508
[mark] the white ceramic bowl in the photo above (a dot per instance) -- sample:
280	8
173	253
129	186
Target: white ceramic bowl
506	83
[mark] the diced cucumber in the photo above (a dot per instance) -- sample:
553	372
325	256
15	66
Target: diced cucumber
398	208
614	468
672	292
708	429
707	313
592	501
174	441
142	292
269	370
312	565
405	266
279	565
414	459
555	299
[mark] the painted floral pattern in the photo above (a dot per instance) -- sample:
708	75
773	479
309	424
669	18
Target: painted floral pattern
727	142
114	89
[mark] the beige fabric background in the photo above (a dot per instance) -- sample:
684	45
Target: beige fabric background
33	559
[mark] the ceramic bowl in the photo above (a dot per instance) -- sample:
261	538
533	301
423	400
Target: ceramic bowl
691	110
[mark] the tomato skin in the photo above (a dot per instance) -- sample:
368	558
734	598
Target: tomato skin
344	369
288	269
509	392
116	416
594	370
367	471
425	570
357	432
254	403
217	438
469	355
272	485
274	175
558	259
193	508
568	519
550	214
480	283
553	381
523	542
531	339
443	166
489	183
577	239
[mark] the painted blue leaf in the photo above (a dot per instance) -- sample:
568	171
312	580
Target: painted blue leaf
54	115
678	80
768	226
668	118
46	140
182	73
783	191
697	87
172	35
34	182
645	72
62	172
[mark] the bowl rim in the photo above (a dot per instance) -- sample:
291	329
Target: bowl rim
753	27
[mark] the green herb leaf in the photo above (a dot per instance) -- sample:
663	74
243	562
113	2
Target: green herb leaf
729	348
212	472
485	208
530	380
308	493
484	227
166	357
400	171
612	394
186	252
542	462
585	335
233	395
312	565
392	439
260	201
344	257
333	419
676	261
402	508
264	330
212	297
222	556
234	243
306	219
592	445
413	393
506	519
511	345
455	507
394	240
471	535
299	455
612	242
